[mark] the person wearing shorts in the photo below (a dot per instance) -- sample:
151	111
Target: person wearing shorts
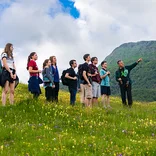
105	85
86	76
9	79
96	91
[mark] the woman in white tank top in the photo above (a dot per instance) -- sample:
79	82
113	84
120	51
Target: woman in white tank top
8	73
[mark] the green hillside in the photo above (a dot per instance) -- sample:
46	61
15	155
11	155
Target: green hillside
35	128
144	75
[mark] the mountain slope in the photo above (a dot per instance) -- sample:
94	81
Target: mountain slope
144	75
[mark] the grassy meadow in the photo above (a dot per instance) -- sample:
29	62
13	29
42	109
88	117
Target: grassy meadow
35	128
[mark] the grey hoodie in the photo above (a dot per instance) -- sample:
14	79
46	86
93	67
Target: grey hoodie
48	77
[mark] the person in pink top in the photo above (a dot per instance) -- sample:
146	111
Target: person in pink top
34	80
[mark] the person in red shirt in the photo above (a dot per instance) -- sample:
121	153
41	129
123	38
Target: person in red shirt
34	80
95	79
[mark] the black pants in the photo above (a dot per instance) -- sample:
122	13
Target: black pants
48	93
72	95
55	92
126	90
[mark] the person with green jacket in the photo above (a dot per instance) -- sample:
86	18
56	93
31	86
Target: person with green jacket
123	78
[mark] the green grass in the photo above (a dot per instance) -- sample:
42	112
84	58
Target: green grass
35	128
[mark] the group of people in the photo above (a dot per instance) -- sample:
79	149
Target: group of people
93	83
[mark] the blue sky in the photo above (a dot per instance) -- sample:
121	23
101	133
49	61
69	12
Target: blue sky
3	6
68	7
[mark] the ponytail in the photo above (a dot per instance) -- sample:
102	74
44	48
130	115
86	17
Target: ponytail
45	63
29	58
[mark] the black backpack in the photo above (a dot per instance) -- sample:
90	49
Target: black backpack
80	71
1	68
64	79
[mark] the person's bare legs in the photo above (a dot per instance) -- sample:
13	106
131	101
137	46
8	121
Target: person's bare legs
95	101
4	93
108	101
12	88
104	100
82	94
88	102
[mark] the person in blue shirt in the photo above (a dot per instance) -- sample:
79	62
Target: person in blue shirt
55	72
105	85
48	80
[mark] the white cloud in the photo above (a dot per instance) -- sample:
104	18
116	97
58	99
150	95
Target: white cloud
103	25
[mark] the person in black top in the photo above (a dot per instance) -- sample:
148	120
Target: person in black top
123	78
87	81
72	81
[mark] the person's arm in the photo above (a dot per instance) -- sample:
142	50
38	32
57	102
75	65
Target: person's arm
14	76
92	72
117	77
103	74
14	66
69	77
5	65
134	64
30	69
47	72
32	64
86	78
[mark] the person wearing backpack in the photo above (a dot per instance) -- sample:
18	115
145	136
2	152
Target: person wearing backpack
8	75
85	75
123	78
72	81
105	85
96	90
48	80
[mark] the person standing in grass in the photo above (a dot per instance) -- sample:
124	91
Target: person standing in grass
87	81
125	83
105	85
8	76
55	72
81	85
96	90
72	81
48	78
34	80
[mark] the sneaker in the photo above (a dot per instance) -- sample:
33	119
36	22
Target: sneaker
105	106
109	106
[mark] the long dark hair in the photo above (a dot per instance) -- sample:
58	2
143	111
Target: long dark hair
30	57
7	50
45	63
51	59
